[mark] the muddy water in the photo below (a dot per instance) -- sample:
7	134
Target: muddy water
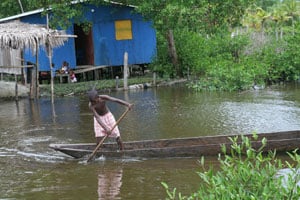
30	170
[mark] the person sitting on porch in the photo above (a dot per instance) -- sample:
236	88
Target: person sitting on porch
73	77
64	68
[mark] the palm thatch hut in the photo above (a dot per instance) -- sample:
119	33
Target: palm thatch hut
17	36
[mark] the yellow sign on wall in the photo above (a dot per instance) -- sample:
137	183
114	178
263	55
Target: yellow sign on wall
123	30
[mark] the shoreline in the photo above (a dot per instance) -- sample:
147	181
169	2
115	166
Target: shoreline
7	89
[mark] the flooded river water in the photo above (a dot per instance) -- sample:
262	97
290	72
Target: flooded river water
30	170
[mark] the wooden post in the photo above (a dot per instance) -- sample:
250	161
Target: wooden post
84	76
125	71
51	73
117	82
34	88
16	88
111	72
154	78
52	83
37	91
32	82
34	91
24	71
96	75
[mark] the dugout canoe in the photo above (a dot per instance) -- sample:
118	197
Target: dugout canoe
181	147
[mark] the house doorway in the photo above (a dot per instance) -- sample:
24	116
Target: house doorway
84	46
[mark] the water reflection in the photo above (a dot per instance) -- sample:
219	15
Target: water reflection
109	183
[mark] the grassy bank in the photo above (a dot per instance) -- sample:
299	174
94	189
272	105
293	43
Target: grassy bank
100	85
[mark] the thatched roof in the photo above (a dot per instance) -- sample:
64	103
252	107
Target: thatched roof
18	35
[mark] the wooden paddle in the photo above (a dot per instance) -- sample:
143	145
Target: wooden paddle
103	139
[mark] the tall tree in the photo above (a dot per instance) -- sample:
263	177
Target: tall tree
280	17
292	8
255	18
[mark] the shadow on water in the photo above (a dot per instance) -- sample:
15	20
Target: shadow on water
30	170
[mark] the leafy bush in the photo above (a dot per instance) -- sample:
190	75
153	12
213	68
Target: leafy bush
222	62
216	62
226	76
246	173
288	61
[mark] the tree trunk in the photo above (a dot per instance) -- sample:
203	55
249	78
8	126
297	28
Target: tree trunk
173	53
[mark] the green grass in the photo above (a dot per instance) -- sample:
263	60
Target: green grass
63	89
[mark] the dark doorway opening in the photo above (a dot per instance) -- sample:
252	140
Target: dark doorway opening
84	46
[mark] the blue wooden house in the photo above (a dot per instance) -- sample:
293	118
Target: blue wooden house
115	29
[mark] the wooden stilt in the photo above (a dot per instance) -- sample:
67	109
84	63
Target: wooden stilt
125	71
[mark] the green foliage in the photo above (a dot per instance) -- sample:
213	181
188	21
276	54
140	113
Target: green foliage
63	14
246	173
288	61
80	88
225	65
196	15
279	60
217	61
271	58
11	7
202	31
228	77
194	51
207	52
189	17
161	63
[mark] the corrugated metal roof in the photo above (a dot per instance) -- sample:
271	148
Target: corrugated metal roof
15	17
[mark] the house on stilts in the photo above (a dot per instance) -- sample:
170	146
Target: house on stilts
98	53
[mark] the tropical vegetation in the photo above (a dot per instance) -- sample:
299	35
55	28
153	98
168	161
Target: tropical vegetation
246	173
218	45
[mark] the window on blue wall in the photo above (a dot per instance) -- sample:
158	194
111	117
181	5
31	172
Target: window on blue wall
123	30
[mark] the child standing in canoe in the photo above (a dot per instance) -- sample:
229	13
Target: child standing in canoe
103	118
